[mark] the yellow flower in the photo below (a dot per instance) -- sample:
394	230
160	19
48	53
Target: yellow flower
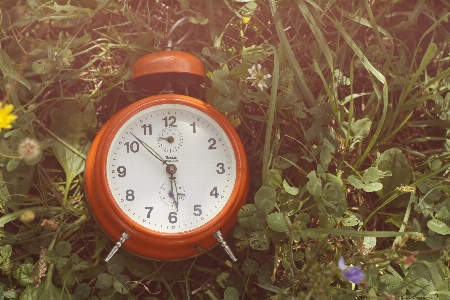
245	20
6	117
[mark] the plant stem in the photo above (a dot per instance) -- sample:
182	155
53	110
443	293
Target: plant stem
61	140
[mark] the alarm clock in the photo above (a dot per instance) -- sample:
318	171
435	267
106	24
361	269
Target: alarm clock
166	176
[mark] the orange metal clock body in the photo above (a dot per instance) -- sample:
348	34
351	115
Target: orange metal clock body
116	216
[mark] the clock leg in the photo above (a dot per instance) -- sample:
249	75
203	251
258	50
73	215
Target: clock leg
223	243
123	238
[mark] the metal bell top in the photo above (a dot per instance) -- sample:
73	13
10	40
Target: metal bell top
169	69
153	70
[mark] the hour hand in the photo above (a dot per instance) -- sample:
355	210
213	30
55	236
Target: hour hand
173	189
150	149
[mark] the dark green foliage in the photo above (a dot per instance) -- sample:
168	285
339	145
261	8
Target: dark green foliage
343	108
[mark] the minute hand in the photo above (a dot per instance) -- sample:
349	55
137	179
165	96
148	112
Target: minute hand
150	149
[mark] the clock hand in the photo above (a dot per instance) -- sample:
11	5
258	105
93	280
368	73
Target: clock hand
171	169
170	139
173	188
150	149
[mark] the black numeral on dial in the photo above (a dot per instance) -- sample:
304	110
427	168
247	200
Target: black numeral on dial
212	143
149	211
133	146
147	129
129	195
170	121
197	210
214	192
122	171
173	217
221	168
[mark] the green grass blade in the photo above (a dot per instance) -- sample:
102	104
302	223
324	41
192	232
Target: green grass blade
271	114
310	20
293	63
350	232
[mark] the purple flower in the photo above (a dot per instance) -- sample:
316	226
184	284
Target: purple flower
354	274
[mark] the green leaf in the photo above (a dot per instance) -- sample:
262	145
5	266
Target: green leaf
12	164
314	184
360	130
227	104
122	283
388	283
253	54
223	82
437	163
231	294
426	203
369	242
240	232
83	265
42	66
265	273
355	182
371	175
443	213
258	240
198	19
275	236
225	280
372	187
72	122
419	287
62	261
116	264
211	95
439	226
290	189
277	222
63	248
286	161
218	55
325	158
351	220
44	291
249	8
250	266
5	254
52	256
258	220
274	178
212	294
24	274
265	199
8	69
395	161
332	192
9	294
104	281
245	214
82	291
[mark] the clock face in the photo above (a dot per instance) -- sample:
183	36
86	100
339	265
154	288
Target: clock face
171	168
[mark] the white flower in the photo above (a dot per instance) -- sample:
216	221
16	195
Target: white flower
259	77
29	149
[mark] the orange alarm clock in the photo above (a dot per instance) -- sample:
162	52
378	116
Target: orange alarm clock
166	176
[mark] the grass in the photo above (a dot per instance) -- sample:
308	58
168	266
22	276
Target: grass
348	146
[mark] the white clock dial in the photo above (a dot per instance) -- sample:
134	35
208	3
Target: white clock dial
172	136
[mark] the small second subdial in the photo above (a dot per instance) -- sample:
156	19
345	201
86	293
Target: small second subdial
170	139
167	196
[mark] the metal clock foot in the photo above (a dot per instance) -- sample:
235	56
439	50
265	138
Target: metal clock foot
123	238
223	243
